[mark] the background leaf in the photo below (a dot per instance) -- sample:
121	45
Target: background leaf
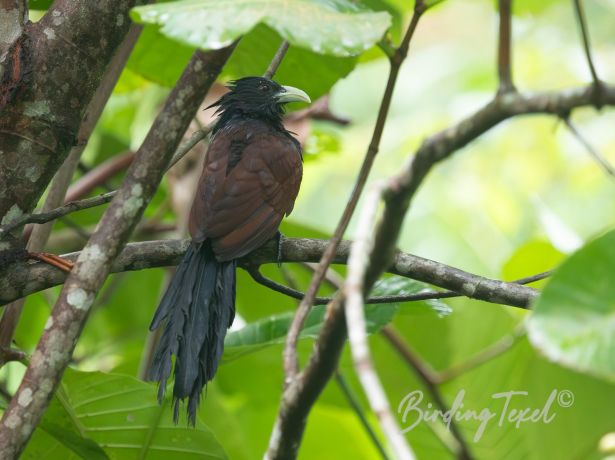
335	27
273	330
122	415
574	318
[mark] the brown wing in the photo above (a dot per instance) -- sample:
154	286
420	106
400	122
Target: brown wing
250	181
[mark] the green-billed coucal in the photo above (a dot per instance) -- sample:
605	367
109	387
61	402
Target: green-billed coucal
250	180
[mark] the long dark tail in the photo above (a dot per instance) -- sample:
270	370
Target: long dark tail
199	306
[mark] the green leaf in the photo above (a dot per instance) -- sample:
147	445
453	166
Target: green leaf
40	4
336	27
397	285
158	58
162	60
255	51
60	423
273	330
534	256
574	319
122	415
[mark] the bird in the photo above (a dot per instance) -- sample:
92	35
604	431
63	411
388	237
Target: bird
250	180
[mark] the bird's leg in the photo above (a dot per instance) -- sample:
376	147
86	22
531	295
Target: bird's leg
52	259
280	239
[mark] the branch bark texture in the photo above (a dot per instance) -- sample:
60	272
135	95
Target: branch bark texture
26	278
56	69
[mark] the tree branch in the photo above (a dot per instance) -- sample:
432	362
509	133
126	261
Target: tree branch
25	278
595	154
291	365
504	48
13	17
40	121
277	60
99	175
354	291
68	208
37	240
301	393
57	342
487	354
578	8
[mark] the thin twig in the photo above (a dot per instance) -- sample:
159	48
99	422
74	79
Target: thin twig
353	400
533	278
499	347
504	48
99	176
430	379
294	293
596	155
183	149
86	203
291	365
277	60
43	217
8	354
580	13
354	290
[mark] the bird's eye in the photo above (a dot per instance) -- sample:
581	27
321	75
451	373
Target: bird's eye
264	88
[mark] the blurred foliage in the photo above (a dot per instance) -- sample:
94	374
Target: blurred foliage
516	202
574	319
334	27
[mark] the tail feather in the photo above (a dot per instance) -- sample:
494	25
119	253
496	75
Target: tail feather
198	307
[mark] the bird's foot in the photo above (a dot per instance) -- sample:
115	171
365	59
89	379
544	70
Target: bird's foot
280	239
51	259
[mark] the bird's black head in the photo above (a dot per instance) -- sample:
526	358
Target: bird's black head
257	97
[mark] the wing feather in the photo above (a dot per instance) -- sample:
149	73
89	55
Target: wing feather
240	206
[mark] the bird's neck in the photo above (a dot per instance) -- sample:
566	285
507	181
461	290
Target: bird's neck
227	117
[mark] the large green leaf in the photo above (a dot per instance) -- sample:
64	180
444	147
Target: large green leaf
336	27
158	58
574	319
299	67
162	60
122	415
273	330
61	424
